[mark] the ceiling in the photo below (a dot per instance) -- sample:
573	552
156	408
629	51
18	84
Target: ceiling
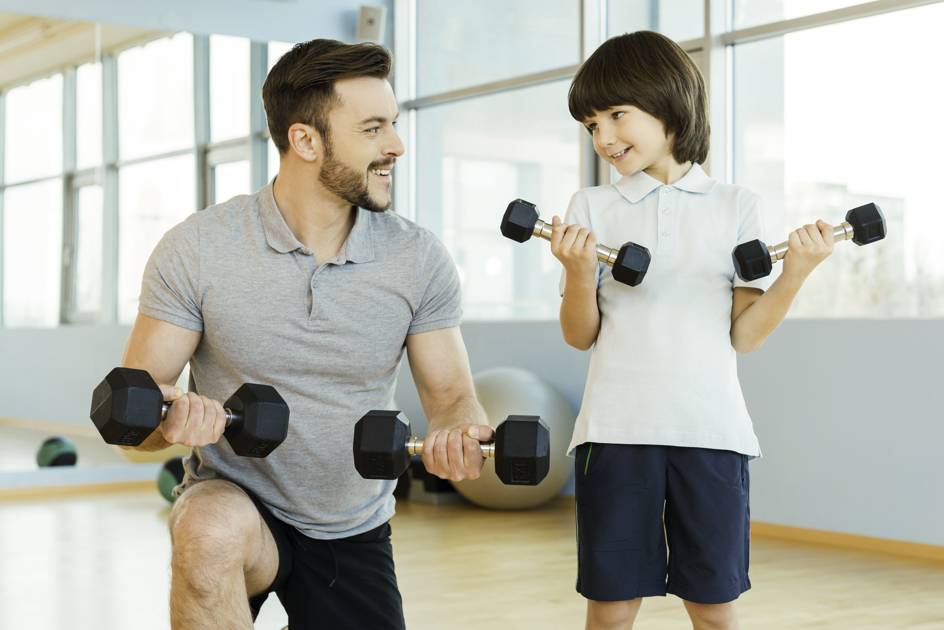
34	46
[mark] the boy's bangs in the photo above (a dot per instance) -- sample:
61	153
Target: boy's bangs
587	97
597	86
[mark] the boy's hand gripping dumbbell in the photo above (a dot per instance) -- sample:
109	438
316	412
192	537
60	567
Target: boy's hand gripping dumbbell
630	262
383	446
863	225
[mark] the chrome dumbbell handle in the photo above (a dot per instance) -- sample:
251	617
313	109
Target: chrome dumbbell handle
841	232
604	254
230	415
414	446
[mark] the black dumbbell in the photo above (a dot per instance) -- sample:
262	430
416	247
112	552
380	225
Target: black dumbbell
863	225
128	405
521	449
630	262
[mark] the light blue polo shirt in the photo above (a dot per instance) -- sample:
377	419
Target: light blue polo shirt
328	337
663	370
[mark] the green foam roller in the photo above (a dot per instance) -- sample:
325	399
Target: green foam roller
56	451
170	477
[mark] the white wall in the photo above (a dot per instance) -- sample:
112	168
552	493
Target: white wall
259	20
850	416
49	374
850	413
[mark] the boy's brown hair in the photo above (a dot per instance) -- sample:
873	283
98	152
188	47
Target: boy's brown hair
649	71
300	86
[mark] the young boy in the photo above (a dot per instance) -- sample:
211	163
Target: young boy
663	430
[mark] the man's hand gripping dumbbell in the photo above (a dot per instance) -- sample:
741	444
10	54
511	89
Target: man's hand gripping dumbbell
630	262
863	225
128	406
383	446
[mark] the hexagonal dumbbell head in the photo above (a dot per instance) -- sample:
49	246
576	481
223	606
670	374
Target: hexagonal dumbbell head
126	406
519	220
631	264
868	224
260	420
522	450
380	445
752	260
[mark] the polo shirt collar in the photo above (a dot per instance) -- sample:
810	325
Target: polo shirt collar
358	248
636	187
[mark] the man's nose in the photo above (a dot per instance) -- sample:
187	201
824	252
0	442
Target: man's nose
395	148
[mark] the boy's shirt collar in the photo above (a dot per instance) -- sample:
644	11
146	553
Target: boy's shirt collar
635	187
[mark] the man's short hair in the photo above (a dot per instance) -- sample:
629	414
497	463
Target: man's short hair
649	71
300	86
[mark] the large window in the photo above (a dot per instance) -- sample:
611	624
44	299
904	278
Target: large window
32	246
154	197
817	105
829	109
480	154
462	44
100	160
155	97
679	19
826	121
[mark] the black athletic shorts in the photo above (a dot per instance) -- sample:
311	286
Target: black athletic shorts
337	584
633	499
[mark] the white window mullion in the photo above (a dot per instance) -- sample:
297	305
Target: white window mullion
67	278
201	112
259	143
108	178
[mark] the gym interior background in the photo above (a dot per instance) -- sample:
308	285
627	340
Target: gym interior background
118	119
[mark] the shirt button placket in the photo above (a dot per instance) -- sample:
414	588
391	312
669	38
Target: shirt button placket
665	218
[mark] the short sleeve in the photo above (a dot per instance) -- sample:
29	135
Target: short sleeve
170	288
441	305
578	212
751	226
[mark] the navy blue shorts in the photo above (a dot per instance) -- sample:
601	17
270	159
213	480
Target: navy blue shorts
633	499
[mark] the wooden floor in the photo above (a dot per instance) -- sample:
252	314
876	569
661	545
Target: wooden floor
101	562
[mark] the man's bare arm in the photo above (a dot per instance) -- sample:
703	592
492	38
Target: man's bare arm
162	349
440	366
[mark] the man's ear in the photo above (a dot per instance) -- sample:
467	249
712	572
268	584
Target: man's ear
306	142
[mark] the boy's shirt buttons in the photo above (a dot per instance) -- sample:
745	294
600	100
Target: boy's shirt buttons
666	232
665	210
665	191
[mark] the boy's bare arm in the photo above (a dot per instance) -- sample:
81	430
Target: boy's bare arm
756	314
575	247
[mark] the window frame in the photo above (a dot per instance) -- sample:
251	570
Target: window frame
713	53
252	148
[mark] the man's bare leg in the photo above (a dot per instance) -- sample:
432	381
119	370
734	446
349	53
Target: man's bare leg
612	615
713	616
223	553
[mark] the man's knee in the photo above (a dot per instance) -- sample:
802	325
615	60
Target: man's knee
213	526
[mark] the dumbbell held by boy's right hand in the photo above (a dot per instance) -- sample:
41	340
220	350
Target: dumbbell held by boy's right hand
630	262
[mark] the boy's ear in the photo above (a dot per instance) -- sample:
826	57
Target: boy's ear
306	142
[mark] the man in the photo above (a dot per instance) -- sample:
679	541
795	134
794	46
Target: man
308	285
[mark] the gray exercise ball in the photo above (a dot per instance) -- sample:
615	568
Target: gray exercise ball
511	391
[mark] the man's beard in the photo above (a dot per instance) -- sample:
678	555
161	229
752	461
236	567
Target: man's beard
350	185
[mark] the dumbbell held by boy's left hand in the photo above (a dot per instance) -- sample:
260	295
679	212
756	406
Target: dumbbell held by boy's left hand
809	246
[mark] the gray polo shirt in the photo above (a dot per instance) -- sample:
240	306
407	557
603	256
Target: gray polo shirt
328	337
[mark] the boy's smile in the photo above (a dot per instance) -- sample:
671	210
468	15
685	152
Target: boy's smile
633	141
